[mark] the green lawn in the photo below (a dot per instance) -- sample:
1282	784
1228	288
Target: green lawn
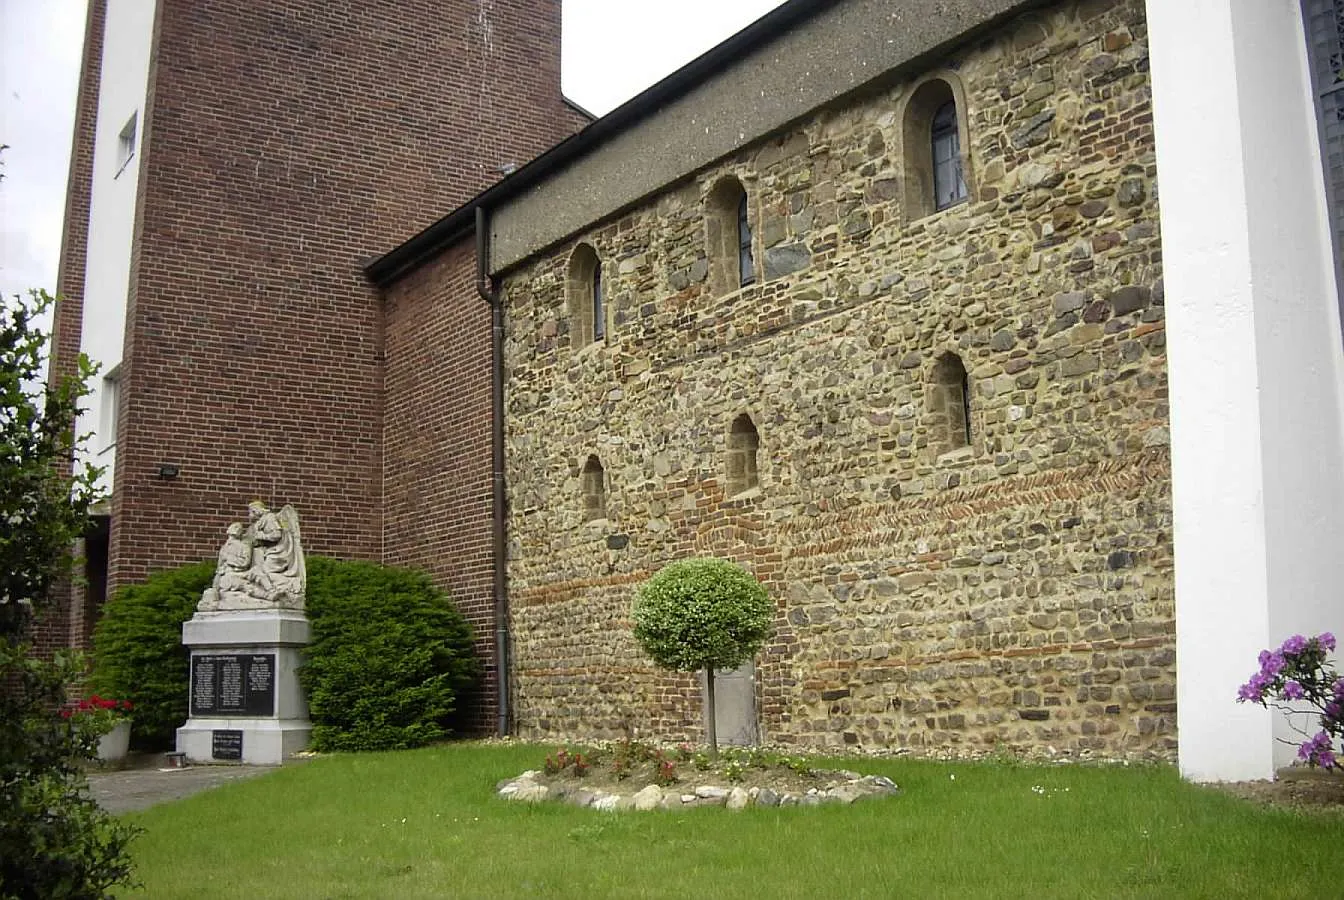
427	824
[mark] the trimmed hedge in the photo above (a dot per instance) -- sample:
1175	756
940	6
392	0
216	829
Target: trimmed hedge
138	653
390	655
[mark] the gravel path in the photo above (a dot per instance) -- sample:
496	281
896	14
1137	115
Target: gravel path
149	782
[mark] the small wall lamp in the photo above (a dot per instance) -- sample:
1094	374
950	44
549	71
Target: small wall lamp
168	470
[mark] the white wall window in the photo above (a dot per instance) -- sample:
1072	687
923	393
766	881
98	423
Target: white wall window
126	142
111	401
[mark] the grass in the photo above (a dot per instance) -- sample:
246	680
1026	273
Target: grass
426	824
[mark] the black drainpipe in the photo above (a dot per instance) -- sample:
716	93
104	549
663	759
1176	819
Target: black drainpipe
485	286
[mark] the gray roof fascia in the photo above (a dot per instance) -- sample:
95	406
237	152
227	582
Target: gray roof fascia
753	84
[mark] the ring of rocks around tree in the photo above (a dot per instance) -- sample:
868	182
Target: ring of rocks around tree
636	777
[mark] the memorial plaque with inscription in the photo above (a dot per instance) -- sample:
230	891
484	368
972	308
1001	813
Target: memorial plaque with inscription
226	744
233	684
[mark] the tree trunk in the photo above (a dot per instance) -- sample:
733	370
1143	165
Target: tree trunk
710	724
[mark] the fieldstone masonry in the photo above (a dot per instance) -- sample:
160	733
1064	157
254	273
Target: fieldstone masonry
839	787
1017	591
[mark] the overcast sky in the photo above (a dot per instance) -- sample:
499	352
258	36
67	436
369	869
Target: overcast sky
612	50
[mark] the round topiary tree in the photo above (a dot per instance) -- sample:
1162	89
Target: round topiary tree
702	614
138	653
390	657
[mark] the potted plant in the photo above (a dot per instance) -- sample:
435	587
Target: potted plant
105	719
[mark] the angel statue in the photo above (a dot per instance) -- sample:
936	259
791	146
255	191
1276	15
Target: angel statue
260	565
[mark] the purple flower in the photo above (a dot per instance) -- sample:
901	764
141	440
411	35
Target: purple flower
1327	640
1253	690
1271	664
1333	710
1339	689
1294	645
1319	751
1293	691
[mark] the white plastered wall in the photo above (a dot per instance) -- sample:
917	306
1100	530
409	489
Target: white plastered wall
123	77
1256	364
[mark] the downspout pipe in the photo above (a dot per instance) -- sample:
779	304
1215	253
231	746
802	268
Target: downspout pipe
485	286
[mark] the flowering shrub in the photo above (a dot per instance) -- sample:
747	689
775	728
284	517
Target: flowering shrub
557	763
628	754
1298	672
562	759
97	715
666	771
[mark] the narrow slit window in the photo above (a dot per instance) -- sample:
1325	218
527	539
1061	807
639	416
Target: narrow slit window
965	409
599	313
728	237
743	446
745	264
111	402
949	404
587	317
949	183
594	484
126	142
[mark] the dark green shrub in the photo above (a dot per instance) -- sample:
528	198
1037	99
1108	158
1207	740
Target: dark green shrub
390	657
138	652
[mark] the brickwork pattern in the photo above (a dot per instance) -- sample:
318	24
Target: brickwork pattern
437	486
283	147
1017	591
67	621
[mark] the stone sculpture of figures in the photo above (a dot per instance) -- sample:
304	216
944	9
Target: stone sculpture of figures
260	565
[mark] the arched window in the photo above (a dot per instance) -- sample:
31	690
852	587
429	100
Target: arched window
933	138
949	404
743	444
594	484
587	314
949	186
728	231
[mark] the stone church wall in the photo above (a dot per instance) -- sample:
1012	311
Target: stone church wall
1015	591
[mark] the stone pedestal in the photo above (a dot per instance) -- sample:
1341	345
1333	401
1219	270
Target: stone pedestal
246	704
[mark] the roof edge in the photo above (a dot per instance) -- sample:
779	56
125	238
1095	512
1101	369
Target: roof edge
427	244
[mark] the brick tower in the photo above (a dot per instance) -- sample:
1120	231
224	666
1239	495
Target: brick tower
234	166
